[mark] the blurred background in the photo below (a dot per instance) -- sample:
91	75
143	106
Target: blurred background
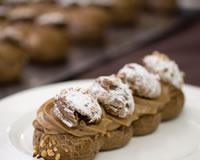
48	41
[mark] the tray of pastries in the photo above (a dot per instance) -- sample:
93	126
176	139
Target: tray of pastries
48	41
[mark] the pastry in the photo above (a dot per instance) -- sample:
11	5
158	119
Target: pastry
69	127
146	90
162	6
123	12
116	100
12	61
47	41
87	25
23	12
43	43
43	38
171	80
3	11
46	44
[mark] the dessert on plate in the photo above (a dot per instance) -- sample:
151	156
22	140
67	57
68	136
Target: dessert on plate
78	123
146	92
116	100
172	80
69	126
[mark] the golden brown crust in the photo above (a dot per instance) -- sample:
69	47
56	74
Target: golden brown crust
162	6
28	11
149	116
87	24
123	12
65	146
117	138
146	124
175	105
12	61
46	44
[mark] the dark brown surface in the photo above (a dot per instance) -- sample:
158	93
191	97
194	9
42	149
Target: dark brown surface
184	47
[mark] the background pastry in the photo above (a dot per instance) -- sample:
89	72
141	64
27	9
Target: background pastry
87	25
171	80
123	12
43	41
23	12
46	44
86	21
69	127
3	12
116	99
145	86
12	61
162	6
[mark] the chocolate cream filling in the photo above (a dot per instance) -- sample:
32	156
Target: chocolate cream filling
145	106
47	122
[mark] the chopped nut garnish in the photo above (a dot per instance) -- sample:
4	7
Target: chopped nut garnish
46	139
44	153
50	144
35	151
35	147
53	142
50	152
108	135
55	149
42	143
66	150
57	156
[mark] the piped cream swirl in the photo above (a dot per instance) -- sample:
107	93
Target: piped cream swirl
114	95
71	105
140	80
166	68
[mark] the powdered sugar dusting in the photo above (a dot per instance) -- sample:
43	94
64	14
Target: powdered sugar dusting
22	13
114	95
54	18
86	2
10	33
72	104
166	68
140	80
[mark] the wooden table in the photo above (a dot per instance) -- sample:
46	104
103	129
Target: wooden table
183	46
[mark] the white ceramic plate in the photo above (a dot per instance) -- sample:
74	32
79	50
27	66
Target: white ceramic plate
175	140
